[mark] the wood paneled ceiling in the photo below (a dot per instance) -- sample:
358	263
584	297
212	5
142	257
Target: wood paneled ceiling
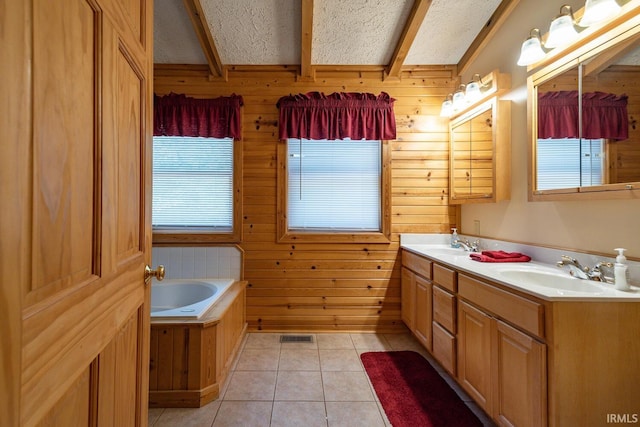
314	34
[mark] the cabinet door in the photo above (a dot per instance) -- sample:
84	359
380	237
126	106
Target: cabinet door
423	311
520	382
474	353
408	298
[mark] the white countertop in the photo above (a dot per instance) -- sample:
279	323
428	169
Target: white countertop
437	248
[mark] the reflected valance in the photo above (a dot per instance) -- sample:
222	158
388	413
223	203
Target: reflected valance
604	115
337	116
179	115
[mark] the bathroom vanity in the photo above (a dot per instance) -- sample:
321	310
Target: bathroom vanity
530	344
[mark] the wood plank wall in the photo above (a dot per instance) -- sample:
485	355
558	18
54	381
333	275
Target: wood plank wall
330	287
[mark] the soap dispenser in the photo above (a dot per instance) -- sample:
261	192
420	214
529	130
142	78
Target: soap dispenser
621	271
454	238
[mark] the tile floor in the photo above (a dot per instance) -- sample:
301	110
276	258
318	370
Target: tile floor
299	384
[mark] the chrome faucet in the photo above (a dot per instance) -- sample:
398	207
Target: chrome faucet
470	246
577	270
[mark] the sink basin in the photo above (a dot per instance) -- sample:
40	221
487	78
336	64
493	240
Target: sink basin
552	281
448	251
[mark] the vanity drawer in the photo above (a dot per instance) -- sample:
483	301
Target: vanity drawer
444	348
445	277
527	314
444	309
417	264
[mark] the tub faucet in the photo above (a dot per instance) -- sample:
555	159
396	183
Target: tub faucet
577	270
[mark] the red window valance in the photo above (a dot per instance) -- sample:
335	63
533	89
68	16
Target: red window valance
179	115
604	115
337	116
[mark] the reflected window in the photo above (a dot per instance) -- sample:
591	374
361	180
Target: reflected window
570	162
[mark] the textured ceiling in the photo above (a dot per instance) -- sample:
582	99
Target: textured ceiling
345	32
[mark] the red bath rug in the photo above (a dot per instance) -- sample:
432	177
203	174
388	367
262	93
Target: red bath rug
413	394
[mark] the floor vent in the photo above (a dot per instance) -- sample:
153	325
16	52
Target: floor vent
296	338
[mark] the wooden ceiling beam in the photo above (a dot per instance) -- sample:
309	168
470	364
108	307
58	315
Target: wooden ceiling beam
307	71
486	34
409	32
201	27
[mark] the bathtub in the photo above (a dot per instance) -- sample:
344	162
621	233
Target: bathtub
185	298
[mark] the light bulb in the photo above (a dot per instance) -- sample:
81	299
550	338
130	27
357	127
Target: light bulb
531	49
598	10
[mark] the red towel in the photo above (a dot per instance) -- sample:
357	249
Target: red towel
499	256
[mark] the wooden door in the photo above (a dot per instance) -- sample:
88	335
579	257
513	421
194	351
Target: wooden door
474	354
75	226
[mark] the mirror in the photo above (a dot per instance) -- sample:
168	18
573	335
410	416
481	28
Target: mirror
585	137
472	155
480	154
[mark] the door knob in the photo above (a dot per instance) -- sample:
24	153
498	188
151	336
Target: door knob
158	273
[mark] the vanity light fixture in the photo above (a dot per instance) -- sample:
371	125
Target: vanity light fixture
531	49
562	30
472	92
459	100
598	10
447	107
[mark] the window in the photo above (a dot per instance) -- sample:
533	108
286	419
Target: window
335	190
194	182
568	162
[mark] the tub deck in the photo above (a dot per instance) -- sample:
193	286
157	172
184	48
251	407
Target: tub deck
191	358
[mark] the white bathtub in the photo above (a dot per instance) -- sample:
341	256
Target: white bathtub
185	298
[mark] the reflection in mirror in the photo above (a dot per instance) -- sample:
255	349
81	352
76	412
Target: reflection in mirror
595	143
472	155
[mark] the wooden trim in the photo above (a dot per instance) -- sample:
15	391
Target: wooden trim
409	32
195	236
283	233
307	72
201	27
485	35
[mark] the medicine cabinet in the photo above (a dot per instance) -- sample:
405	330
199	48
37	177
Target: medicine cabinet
595	153
480	147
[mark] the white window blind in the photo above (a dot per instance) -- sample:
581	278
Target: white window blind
192	183
564	163
334	185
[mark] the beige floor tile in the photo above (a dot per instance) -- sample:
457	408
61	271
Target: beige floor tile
370	341
340	360
298	414
262	340
354	414
249	414
346	387
299	385
400	342
293	359
258	359
188	417
154	414
387	423
251	385
335	341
